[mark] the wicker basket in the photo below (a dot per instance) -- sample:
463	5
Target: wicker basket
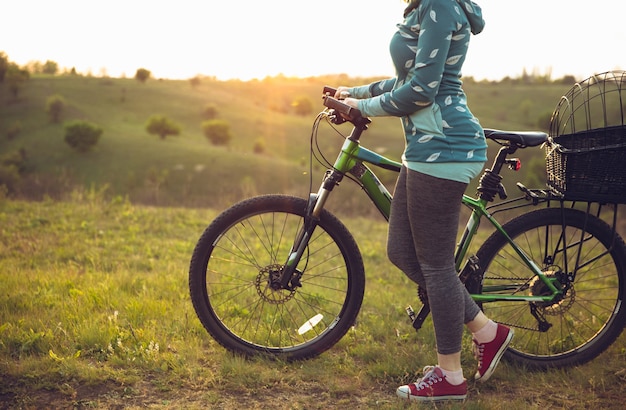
586	149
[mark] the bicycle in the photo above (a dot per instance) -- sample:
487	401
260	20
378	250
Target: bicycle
282	276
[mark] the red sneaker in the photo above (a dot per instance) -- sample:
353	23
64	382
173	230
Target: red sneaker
432	387
489	354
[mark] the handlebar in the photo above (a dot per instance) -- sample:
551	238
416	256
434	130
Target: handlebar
347	113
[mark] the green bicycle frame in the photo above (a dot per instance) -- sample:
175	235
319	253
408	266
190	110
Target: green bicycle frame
352	159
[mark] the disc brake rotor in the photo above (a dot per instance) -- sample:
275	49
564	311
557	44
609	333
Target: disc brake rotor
560	304
266	276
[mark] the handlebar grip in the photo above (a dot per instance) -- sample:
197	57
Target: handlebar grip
341	108
347	112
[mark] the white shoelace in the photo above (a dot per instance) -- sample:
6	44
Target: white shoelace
430	377
478	353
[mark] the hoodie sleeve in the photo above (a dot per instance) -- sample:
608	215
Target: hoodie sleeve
372	90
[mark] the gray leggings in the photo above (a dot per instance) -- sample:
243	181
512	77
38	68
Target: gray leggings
423	227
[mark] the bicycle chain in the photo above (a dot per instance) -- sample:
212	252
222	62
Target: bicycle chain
511	324
535	329
501	278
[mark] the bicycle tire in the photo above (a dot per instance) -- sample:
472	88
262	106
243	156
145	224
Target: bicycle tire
229	273
589	318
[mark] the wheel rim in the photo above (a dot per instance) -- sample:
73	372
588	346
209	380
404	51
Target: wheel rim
243	261
588	307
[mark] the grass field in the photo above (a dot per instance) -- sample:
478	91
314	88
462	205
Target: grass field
94	252
95	313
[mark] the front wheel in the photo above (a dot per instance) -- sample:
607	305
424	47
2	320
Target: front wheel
239	256
581	255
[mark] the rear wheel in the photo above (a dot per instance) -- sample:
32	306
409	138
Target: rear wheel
239	254
581	255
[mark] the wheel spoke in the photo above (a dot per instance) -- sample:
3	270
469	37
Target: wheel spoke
586	315
237	264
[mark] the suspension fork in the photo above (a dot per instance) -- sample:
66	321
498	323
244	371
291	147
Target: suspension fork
288	278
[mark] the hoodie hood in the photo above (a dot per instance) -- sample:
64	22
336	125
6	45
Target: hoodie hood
474	15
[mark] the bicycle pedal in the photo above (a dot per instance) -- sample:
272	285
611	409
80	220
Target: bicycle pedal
409	311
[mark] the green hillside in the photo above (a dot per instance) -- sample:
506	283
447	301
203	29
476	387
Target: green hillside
186	170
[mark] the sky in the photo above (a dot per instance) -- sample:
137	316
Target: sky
258	38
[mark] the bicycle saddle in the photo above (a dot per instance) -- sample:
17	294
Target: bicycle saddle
520	138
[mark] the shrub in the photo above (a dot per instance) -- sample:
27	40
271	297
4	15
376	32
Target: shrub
217	131
142	75
9	178
15	159
195	81
82	135
259	146
162	126
210	112
54	108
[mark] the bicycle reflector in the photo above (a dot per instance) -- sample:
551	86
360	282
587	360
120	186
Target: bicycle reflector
514	163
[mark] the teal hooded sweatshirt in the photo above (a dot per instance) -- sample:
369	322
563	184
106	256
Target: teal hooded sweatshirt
428	51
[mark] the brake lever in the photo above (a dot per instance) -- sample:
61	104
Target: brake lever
329	91
335	118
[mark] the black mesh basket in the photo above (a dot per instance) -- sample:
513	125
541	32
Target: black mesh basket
586	149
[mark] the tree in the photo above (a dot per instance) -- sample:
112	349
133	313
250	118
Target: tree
162	126
54	107
4	65
50	67
16	76
217	131
568	80
82	135
142	75
34	67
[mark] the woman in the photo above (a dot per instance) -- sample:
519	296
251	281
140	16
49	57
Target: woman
445	149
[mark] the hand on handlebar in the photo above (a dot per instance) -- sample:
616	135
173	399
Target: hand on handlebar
346	109
342	93
352	102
